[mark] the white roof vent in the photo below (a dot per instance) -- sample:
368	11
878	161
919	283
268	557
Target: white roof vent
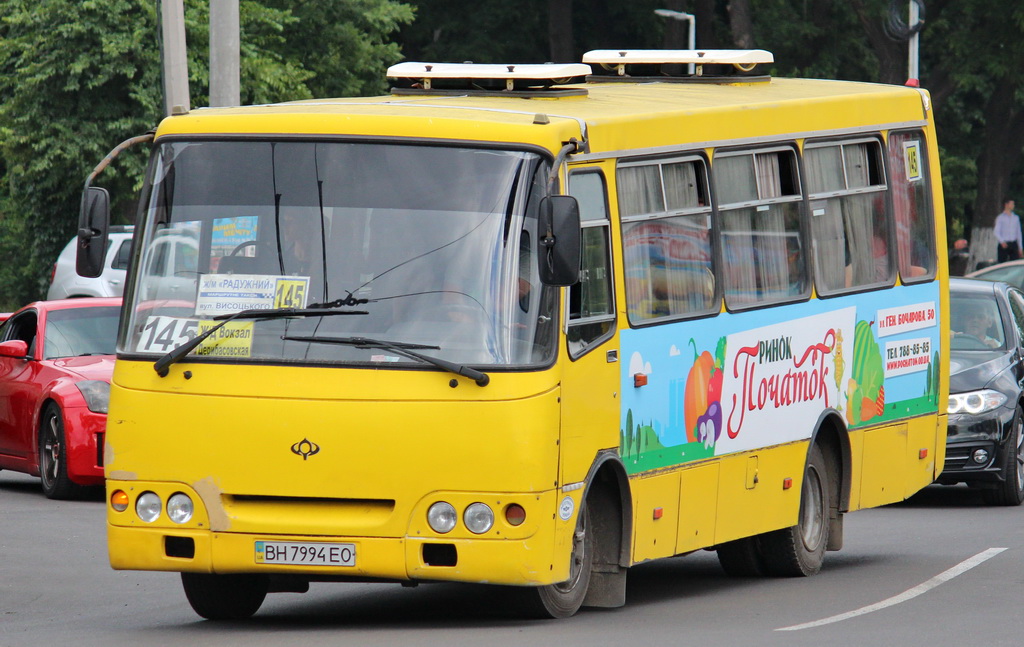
617	59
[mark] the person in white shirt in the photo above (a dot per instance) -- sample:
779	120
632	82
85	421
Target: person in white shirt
1008	235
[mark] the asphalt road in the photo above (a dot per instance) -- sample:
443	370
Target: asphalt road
941	569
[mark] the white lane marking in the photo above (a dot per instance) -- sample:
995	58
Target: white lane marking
909	594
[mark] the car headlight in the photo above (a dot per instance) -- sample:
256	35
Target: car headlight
96	394
975	402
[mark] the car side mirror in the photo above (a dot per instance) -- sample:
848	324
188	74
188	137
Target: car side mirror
560	240
93	224
15	348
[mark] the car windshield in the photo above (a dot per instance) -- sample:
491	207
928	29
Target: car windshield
80	331
1012	274
433	246
975	323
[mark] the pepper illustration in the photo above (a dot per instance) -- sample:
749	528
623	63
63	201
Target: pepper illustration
703	411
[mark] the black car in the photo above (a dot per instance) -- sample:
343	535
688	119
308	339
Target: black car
985	443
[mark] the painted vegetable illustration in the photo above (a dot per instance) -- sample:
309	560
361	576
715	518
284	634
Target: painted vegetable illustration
837	354
703	410
709	426
866	388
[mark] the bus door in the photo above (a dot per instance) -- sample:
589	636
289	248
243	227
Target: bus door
590	384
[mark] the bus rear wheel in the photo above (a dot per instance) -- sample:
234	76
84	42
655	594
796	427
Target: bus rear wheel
565	598
224	597
799	550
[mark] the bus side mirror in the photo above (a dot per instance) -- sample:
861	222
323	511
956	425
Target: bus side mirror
560	240
93	223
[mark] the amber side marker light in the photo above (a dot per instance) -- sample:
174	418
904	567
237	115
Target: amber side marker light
119	500
515	515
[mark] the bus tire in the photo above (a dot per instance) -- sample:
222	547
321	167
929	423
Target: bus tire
1011	490
741	558
564	599
799	550
224	597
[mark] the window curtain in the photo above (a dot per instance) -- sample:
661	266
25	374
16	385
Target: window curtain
736	181
640	190
681	189
773	229
668	267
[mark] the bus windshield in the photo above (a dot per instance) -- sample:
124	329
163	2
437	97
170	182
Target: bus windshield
427	245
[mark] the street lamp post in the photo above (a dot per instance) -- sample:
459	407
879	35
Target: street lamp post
688	17
913	48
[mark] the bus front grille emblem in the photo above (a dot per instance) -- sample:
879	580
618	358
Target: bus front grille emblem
305	448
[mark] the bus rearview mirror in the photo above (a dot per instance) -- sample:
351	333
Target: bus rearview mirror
560	240
93	223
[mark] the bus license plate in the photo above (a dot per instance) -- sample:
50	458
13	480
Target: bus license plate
307	553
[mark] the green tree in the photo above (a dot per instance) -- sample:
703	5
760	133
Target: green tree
80	76
344	44
627	431
77	78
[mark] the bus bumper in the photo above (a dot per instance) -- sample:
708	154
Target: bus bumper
538	555
521	562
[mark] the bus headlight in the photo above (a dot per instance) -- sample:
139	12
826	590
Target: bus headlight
180	508
147	506
441	516
478	518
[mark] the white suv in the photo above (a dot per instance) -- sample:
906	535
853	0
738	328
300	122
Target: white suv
65	282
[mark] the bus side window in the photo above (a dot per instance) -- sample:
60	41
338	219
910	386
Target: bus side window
912	210
849	223
666	239
759	204
591	300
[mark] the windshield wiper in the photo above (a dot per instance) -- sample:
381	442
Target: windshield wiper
315	310
402	348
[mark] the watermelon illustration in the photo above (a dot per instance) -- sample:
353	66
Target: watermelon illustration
866	389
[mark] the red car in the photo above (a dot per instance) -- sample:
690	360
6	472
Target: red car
56	360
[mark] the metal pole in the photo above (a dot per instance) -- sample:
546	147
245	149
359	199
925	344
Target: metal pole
173	54
224	44
692	32
693	38
913	51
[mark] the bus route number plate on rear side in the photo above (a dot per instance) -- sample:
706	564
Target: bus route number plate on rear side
305	553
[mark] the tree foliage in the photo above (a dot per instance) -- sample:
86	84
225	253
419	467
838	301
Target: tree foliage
78	77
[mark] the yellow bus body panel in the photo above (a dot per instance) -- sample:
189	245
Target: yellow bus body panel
498	445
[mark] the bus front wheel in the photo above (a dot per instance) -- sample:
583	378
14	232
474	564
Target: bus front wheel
224	597
800	550
565	598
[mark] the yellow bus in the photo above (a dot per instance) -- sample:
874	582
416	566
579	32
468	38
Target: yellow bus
527	326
